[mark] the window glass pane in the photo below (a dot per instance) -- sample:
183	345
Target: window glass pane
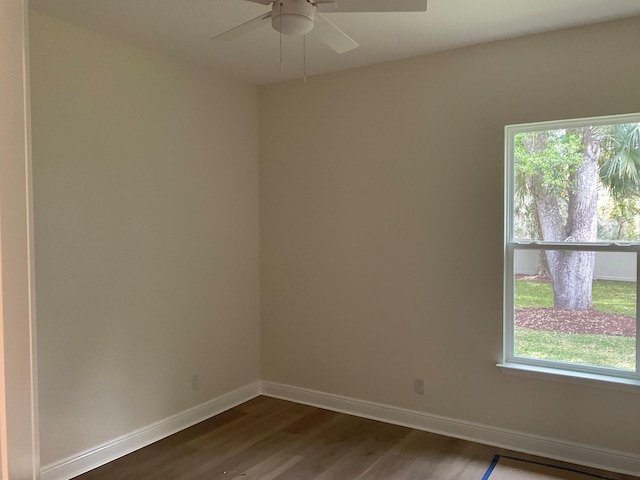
578	184
576	307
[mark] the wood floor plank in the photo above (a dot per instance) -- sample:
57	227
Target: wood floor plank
270	468
244	460
313	420
388	467
360	458
255	436
325	447
272	439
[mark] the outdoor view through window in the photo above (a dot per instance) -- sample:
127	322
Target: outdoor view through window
572	240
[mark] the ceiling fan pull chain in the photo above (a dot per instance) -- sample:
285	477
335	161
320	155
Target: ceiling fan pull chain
281	60
280	21
304	57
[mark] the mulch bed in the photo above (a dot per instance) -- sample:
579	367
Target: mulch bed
591	322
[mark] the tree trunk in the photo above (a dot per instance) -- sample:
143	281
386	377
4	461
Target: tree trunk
571	275
570	218
571	272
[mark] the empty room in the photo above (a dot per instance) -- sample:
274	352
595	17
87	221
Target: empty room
352	239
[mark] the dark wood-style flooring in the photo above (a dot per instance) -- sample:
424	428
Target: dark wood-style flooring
271	439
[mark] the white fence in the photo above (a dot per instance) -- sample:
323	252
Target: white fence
609	265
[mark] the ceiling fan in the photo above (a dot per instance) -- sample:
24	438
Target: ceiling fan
299	17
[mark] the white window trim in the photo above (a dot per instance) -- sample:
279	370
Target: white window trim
547	368
567	376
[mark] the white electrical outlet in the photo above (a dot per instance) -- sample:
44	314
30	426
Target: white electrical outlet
195	381
418	386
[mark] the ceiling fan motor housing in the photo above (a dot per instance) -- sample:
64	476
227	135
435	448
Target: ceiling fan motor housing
293	17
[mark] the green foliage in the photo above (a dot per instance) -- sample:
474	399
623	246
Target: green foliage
548	157
546	160
620	173
544	164
618	219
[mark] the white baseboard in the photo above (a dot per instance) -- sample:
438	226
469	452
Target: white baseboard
586	455
105	453
545	447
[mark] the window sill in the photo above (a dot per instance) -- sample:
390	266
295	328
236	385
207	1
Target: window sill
568	376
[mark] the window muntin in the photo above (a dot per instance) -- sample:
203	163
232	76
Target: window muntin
546	179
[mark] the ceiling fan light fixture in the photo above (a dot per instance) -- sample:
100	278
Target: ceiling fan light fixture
292	24
293	17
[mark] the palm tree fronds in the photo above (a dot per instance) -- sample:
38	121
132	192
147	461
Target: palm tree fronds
621	173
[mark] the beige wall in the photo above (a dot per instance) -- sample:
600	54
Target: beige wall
146	235
372	183
18	428
381	227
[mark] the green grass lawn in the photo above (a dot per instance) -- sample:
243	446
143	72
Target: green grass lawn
600	350
608	296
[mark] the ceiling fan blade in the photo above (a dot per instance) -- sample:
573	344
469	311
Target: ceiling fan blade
335	38
329	6
246	27
262	2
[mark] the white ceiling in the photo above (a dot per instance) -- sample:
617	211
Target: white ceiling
182	28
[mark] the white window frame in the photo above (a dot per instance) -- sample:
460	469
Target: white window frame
537	367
